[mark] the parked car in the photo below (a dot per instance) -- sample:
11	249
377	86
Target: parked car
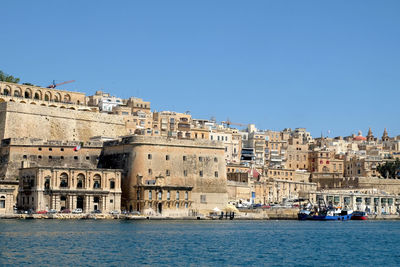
96	211
78	210
135	213
254	206
114	212
42	212
52	211
66	211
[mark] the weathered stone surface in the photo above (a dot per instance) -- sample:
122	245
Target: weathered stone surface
23	120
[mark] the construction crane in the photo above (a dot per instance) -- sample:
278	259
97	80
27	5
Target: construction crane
228	123
54	85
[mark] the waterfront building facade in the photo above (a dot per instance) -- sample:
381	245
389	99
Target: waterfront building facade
45	188
168	175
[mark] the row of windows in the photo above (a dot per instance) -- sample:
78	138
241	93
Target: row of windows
160	193
169	205
185	173
184	158
50	149
283	173
220	138
61	157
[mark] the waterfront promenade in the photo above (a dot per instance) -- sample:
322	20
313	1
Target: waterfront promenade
251	214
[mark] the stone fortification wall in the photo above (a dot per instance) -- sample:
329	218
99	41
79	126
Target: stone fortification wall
23	120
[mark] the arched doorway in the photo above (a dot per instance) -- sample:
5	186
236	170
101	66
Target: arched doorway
159	208
79	202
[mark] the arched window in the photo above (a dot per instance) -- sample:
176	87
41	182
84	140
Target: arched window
37	96
2	202
47	182
80	181
6	92
27	94
67	98
64	180
47	96
96	181
17	93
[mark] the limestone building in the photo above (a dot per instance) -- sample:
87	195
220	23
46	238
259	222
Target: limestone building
45	188
169	176
16	153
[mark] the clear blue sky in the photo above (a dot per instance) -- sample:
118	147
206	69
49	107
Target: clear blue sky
323	65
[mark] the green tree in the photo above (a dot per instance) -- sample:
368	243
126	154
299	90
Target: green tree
390	169
4	77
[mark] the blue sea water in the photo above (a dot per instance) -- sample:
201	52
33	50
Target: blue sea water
198	243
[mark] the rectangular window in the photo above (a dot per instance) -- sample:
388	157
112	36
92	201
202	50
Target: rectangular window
150	171
201	173
186	205
184	158
159	195
148	156
186	195
137	194
112	184
177	195
167	173
177	205
2	204
202	198
111	200
168	195
216	174
185	173
167	157
200	159
150	195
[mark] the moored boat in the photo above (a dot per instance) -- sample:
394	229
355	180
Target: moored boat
329	214
333	214
359	215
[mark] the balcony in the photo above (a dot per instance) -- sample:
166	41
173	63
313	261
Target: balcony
183	126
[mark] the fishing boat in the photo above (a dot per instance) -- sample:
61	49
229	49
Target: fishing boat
359	215
331	214
323	212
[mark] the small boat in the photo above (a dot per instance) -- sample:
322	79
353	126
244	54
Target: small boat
359	215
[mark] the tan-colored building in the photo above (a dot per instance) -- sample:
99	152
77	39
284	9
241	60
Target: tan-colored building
231	140
16	153
45	188
365	166
8	194
324	161
169	176
138	105
172	124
